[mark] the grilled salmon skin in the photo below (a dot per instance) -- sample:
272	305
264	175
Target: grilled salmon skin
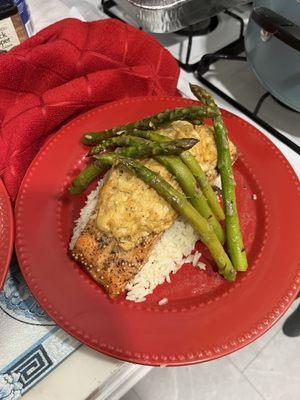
130	216
107	263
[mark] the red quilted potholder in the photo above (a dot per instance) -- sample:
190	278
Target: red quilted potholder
68	68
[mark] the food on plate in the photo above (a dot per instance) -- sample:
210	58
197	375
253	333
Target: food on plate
144	149
156	200
181	204
206	152
170	147
189	185
235	244
186	113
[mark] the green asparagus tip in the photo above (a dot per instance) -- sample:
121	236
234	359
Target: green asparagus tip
74	190
198	90
186	143
87	137
193	86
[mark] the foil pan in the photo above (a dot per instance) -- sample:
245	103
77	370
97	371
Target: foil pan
163	16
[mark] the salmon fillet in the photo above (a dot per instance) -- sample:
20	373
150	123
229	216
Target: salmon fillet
205	151
106	262
104	255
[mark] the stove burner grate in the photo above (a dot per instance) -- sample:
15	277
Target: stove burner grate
200	28
230	52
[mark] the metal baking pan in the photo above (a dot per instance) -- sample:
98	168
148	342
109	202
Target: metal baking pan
163	16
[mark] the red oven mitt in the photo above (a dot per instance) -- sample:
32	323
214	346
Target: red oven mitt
68	68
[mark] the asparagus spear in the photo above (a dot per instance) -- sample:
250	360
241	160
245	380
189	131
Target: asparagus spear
186	113
188	183
191	162
188	158
176	167
128	140
233	232
116	141
180	203
147	149
86	176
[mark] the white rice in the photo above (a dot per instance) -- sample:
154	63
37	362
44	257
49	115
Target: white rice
254	196
163	301
201	265
218	182
170	252
85	213
166	257
196	258
188	259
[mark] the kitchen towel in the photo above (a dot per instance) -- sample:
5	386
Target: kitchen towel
67	68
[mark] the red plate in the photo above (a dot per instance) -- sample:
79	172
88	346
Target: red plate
6	232
206	317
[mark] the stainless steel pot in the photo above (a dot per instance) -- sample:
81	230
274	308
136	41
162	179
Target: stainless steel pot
272	43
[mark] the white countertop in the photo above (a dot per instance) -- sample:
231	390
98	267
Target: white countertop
76	377
87	374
